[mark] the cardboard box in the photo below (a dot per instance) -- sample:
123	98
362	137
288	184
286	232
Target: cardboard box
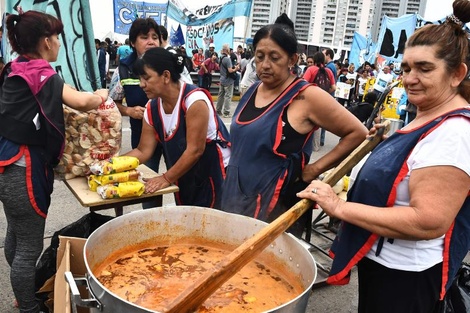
69	258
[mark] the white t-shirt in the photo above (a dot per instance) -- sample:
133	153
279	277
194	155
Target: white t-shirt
382	81
447	145
361	85
250	74
170	121
352	77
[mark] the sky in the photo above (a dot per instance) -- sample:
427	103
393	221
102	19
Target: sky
437	9
103	19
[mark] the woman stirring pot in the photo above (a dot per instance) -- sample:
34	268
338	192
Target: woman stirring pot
406	219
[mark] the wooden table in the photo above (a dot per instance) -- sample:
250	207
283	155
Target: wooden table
92	200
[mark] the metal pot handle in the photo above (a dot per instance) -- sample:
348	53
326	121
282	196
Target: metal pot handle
75	293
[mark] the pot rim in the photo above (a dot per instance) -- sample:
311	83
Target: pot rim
307	286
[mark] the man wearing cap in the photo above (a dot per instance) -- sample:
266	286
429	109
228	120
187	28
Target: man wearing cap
208	53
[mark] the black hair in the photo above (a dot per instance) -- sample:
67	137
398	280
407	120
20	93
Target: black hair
284	19
318	58
281	32
26	29
143	26
370	97
329	52
159	59
164	32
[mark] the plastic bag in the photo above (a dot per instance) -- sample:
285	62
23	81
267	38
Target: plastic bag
46	266
457	298
114	165
121	190
89	136
98	180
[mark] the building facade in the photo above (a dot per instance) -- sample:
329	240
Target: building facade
331	22
395	8
264	12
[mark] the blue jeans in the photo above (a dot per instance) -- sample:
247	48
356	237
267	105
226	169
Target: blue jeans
200	81
237	81
224	98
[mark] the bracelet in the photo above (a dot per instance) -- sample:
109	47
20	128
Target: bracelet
165	178
103	100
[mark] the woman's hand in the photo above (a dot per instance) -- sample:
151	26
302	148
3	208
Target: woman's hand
375	129
323	195
103	93
154	184
136	112
310	172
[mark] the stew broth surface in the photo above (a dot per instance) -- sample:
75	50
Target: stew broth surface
152	276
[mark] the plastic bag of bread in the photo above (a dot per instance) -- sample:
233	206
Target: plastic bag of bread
97	180
114	165
89	136
121	190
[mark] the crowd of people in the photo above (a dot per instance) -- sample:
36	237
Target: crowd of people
356	78
207	62
398	230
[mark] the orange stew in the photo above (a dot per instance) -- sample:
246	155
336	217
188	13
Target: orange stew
152	276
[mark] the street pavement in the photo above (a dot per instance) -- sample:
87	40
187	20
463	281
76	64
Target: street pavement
65	209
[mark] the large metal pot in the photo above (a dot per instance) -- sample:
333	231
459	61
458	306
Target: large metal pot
178	222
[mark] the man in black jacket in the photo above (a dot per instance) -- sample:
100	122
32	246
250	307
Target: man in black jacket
362	110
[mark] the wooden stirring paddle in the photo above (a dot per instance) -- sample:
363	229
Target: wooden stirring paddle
195	295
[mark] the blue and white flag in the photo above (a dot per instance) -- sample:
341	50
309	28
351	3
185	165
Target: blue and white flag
200	37
126	11
76	62
362	50
177	37
393	35
196	14
420	22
